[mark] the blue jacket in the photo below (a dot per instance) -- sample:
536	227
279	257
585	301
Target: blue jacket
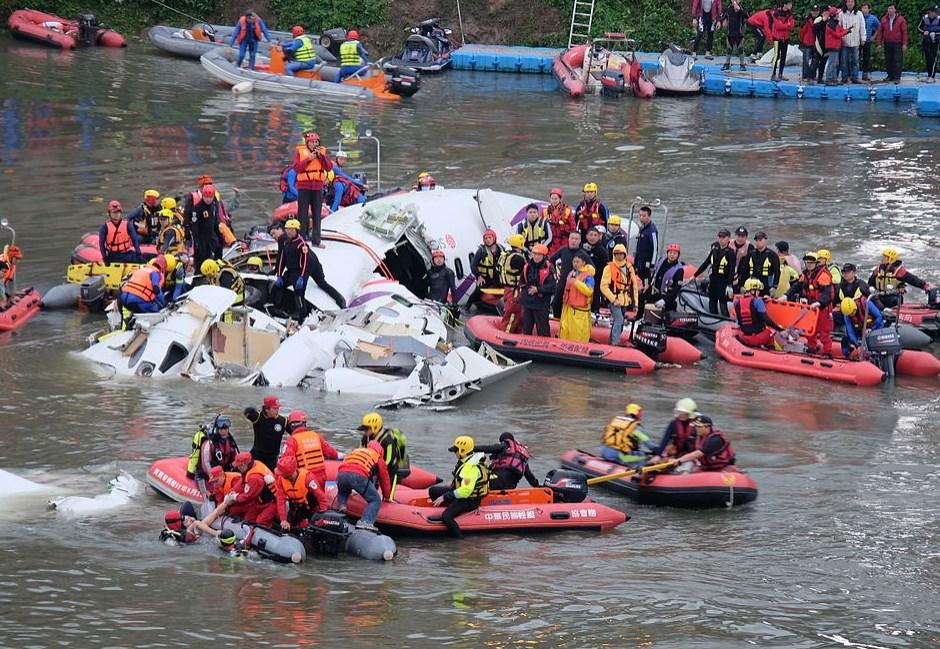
645	254
291	193
849	324
250	36
872	25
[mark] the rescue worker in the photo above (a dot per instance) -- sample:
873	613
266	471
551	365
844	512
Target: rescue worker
666	281
117	238
471	482
144	217
510	276
441	280
295	492
560	218
825	260
890	279
11	254
679	436
268	427
536	290
713	450
590	212
310	450
561	261
763	264
142	292
291	269
222	273
170	203
750	312
394	445
425	183
509	463
852	285
815	289
220	483
255	503
352	56
182	526
171	238
742	251
301	52
486	260
620	287
212	448
625	442
790	268
248	32
598	260
535	228
647	245
203	222
357	472
174	279
850	317
311	163
345	192
576	305
721	259
615	234
287	184
232	546
339	168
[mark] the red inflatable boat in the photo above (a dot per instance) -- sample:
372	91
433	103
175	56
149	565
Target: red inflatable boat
168	477
88	252
832	369
922	316
60	32
693	490
19	309
910	362
515	510
289	211
567	69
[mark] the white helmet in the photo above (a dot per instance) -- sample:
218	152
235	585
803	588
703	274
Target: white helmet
686	405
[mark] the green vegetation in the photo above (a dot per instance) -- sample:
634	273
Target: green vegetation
126	16
323	15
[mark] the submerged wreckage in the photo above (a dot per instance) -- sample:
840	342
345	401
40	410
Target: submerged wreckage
389	344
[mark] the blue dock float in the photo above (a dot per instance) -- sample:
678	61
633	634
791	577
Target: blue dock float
750	83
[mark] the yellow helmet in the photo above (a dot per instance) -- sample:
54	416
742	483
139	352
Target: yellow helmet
590	187
463	446
516	240
753	284
891	254
330	175
823	254
634	410
254	261
613	220
166	214
168	203
171	262
151	193
848	306
620	249
372	422
423	174
292	224
209	268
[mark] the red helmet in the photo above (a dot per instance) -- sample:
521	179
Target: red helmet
296	30
287	465
114	206
352	35
243	459
673	246
311	136
296	419
490	232
173	520
426	180
204	179
208	191
437	253
556	190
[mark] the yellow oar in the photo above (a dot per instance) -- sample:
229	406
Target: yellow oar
624	474
492	291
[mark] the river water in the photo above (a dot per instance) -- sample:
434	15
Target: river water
839	550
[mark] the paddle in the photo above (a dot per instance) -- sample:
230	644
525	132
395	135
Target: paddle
623	474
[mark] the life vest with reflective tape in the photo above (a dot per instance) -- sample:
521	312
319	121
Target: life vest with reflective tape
395	444
178	238
508	275
314	170
622	434
118	238
305	52
349	54
887	280
296	490
489	263
309	452
812	283
482	485
364	458
748	317
622	281
575	298
534	232
589	214
141	284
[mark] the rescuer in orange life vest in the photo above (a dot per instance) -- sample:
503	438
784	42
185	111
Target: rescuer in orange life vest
117	238
311	164
310	450
255	502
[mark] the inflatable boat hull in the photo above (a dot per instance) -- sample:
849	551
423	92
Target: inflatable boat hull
88	252
28	24
269	544
19	309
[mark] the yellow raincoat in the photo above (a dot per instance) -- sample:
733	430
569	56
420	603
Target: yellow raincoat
576	307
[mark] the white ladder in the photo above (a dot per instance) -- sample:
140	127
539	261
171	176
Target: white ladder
582	14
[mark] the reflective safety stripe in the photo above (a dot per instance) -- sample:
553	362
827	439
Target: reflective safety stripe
622	434
118	239
508	275
306	51
534	232
314	171
309	451
349	54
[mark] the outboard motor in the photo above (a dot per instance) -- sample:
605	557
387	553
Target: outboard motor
93	293
326	534
88	27
613	84
681	323
402	80
650	339
884	346
567	486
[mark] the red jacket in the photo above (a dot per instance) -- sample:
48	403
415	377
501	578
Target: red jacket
698	13
896	35
834	34
808	34
763	20
781	25
350	465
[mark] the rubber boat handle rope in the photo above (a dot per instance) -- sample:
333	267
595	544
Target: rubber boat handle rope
623	474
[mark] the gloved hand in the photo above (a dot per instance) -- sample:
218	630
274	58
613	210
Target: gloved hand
660	304
250	414
300	284
279	282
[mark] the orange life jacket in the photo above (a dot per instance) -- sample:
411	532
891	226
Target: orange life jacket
260	469
365	458
618	279
118	239
309	453
232	483
314	171
243	32
140	285
296	490
575	298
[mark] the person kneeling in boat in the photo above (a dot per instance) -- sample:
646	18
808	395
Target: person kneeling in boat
750	311
509	463
536	291
576	304
255	503
300	51
219	272
182	526
890	278
143	290
117	239
297	493
679	437
470	484
713	450
221	483
357	472
619	284
855	323
352	56
394	445
625	442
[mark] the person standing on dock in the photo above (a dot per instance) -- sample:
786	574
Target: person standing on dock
872	25
781	25
249	31
929	28
893	36
734	21
833	42
808	44
706	16
853	21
